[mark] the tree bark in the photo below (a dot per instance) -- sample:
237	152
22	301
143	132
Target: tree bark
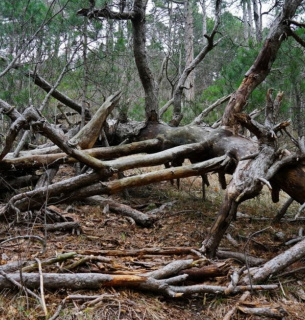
189	50
148	82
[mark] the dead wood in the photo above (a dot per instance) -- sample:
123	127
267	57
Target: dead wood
88	135
39	123
263	311
252	261
139	217
199	119
231	313
60	258
277	264
140	252
61	226
46	86
283	211
63	191
206	272
36	158
263	63
80	281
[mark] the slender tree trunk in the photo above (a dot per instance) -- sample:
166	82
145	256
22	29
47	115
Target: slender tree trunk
257	21
263	63
85	71
204	21
245	20
146	76
249	9
299	112
189	91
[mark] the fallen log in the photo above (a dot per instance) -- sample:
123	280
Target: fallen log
39	158
93	281
63	191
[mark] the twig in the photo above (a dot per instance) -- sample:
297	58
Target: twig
59	258
59	308
41	240
245	248
20	286
42	300
244	297
302	207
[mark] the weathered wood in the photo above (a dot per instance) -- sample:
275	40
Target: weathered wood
35	158
47	87
139	217
206	272
80	281
252	261
88	135
83	186
264	311
277	264
140	252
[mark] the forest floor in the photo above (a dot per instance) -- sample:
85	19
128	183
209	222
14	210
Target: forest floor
184	222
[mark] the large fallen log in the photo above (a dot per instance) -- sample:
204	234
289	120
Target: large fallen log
86	185
31	160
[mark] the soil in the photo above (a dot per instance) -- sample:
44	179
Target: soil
184	222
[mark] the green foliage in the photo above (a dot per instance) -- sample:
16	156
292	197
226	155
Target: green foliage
110	62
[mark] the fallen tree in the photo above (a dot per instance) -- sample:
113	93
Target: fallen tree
253	161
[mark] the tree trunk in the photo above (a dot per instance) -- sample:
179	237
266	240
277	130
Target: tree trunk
257	21
263	63
140	55
189	50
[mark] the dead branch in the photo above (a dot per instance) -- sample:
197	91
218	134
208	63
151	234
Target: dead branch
262	65
199	119
263	311
88	135
60	258
206	272
231	313
139	217
140	252
63	191
277	264
252	261
36	158
61	226
79	281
